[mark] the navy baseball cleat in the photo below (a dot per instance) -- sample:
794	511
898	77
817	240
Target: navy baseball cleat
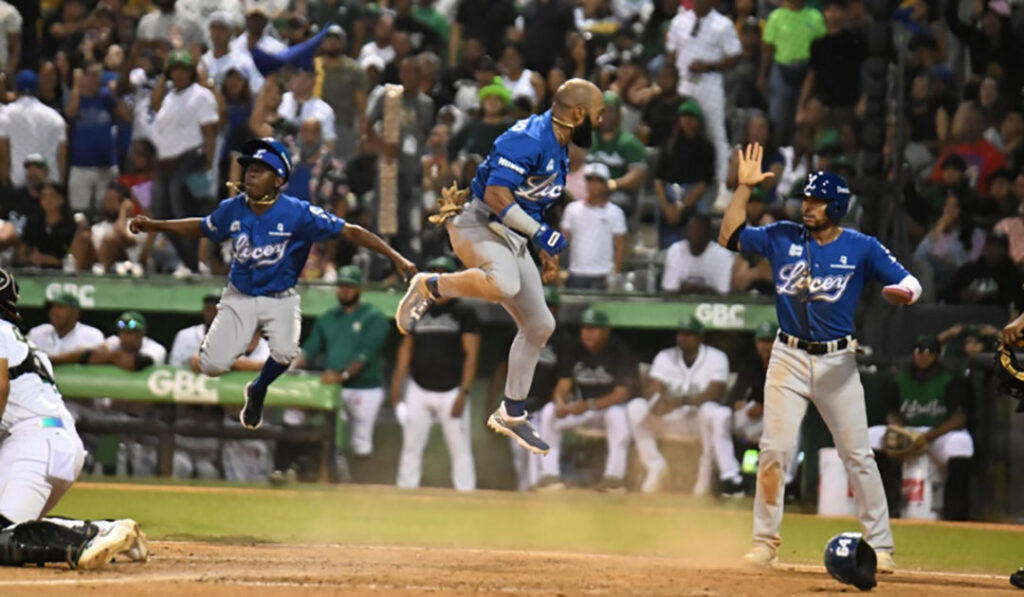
1017	579
519	429
251	415
414	304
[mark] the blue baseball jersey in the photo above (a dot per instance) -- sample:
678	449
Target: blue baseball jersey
527	159
269	250
817	287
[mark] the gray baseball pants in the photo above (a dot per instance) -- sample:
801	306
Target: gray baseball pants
239	315
500	270
832	382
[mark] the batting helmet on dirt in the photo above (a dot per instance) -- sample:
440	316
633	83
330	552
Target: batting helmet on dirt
850	560
832	188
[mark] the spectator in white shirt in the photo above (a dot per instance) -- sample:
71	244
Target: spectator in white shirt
221	57
10	38
697	265
130	349
156	28
185	135
29	126
703	43
257	34
380	45
596	230
65	339
187	341
298	105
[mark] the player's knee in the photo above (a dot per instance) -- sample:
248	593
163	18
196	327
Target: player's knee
637	410
961	445
212	367
541	326
284	354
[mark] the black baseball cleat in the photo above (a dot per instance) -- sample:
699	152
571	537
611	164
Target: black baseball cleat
1017	579
519	429
251	416
731	489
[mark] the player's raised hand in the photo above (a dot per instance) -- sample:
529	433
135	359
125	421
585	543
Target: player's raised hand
1012	332
405	268
749	171
140	224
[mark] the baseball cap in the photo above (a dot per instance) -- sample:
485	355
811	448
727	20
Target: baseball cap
27	81
927	343
179	58
1003	173
336	31
595	318
131	321
443	263
689	323
552	296
497	88
766	331
612	99
221	18
690	108
350	275
36	159
955	160
66	298
597	170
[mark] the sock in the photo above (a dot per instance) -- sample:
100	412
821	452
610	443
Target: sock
271	370
432	286
515	408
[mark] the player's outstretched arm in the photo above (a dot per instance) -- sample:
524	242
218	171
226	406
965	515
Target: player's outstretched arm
187	227
749	175
358	235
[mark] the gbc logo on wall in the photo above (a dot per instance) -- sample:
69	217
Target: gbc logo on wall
84	292
182	386
717	315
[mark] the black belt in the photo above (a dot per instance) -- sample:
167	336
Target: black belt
814	347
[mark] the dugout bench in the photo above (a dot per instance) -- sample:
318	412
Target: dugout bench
164	384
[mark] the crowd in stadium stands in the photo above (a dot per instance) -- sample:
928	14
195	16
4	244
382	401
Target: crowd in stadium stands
113	108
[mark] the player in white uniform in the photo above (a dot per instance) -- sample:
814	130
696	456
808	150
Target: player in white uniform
40	457
65	338
687	383
819	270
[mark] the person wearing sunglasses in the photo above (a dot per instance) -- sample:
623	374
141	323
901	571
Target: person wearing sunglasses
129	348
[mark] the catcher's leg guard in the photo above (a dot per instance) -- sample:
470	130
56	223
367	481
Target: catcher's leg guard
40	542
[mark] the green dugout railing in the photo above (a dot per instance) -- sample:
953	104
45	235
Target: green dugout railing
165	294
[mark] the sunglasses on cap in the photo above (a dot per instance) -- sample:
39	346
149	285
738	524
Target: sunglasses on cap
129	324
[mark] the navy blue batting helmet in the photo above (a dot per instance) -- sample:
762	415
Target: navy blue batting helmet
850	560
269	151
832	188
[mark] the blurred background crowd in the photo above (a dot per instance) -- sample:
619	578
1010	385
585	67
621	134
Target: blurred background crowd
115	108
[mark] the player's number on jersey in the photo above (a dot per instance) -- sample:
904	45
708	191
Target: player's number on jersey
35	364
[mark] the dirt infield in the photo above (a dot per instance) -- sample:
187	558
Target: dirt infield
185	568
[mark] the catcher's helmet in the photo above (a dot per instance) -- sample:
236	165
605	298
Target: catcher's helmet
850	560
1010	375
9	292
832	188
271	152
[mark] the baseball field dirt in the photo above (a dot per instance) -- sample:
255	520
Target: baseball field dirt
366	540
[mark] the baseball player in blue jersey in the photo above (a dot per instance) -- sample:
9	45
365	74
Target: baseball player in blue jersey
820	270
524	173
271	234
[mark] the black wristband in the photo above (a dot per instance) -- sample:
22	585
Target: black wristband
733	244
142	361
84	359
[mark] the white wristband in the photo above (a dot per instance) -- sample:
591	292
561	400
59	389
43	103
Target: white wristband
515	218
913	285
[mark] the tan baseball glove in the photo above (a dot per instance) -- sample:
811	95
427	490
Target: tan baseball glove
449	205
902	443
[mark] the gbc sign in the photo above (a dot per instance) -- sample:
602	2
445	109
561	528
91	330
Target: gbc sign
717	315
84	292
182	386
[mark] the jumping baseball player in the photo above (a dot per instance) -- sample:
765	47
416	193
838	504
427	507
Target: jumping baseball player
524	173
41	455
272	234
819	270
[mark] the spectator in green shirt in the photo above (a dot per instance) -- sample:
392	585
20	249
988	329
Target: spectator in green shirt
788	35
350	338
622	152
